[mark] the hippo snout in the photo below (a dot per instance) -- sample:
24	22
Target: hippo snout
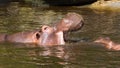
71	22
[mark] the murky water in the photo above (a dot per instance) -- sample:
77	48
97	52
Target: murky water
81	54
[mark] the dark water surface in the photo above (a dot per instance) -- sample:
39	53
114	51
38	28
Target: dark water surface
81	54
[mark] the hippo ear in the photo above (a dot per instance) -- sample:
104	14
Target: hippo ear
37	35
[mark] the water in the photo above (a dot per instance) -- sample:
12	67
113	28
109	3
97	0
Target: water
81	54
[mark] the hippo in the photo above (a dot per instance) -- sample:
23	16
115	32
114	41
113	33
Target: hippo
47	35
108	43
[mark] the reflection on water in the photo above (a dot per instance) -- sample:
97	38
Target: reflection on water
81	54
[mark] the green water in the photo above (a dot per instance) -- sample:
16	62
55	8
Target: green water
81	54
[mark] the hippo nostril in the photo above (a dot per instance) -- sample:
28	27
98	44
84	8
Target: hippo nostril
45	28
37	35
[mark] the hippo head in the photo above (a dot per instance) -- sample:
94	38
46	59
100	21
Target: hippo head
71	22
49	36
54	35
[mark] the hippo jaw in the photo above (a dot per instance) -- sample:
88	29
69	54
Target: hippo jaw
51	39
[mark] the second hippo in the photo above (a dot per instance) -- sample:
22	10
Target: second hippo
108	43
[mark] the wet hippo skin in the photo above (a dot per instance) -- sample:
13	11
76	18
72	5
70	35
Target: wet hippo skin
108	43
51	36
23	37
2	37
47	35
71	22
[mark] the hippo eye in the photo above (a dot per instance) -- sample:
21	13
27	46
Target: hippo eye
37	35
45	28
